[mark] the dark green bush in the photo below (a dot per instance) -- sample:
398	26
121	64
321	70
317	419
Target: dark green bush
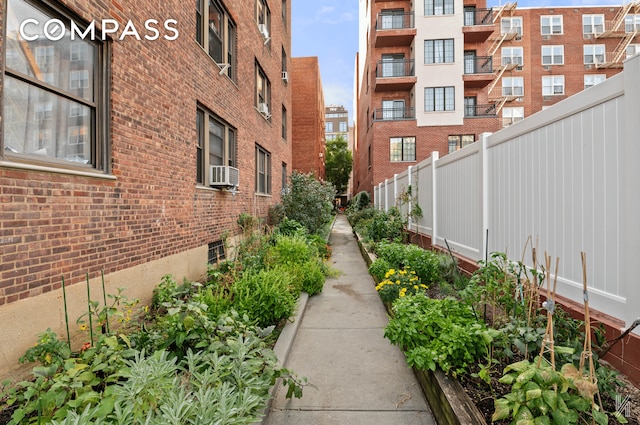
309	201
379	268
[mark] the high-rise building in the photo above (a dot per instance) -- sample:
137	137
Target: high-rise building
336	121
433	75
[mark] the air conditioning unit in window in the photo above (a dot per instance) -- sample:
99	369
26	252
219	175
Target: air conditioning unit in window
285	76
224	176
263	108
263	30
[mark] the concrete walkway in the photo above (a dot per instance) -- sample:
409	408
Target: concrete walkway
339	345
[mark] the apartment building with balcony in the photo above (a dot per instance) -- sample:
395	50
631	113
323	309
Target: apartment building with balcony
336	119
433	75
130	148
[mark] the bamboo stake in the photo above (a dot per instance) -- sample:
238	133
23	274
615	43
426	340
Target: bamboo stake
66	313
550	306
586	350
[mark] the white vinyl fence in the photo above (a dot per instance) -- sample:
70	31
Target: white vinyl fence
568	177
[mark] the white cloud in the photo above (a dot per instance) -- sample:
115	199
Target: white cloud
339	93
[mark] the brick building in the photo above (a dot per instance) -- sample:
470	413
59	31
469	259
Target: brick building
336	123
435	76
131	146
308	116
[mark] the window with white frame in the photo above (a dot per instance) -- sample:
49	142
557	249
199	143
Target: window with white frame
551	24
592	24
512	115
402	149
459	141
632	23
263	171
591	80
263	92
43	84
439	99
217	144
553	55
512	55
328	127
263	18
632	49
343	126
552	85
438	51
216	33
513	86
593	53
511	25
438	7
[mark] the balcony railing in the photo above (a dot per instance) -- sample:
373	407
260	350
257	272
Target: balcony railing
395	68
478	17
478	65
394	21
488	110
394	114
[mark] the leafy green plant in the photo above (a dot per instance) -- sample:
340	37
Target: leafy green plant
265	296
49	350
309	201
399	283
313	277
424	262
378	268
438	333
382	226
541	395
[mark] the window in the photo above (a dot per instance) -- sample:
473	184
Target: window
284	122
592	24
391	19
593	53
216	252
512	115
632	23
511	25
284	179
263	171
393	65
438	7
263	19
457	142
470	106
512	86
343	127
632	50
552	85
402	149
550	25
217	34
217	144
553	55
328	127
512	55
263	92
392	109
284	14
591	80
46	86
438	51
439	99
284	62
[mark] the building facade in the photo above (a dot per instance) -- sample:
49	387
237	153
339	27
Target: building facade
132	140
308	117
432	76
336	122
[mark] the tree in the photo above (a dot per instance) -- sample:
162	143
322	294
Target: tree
339	163
308	201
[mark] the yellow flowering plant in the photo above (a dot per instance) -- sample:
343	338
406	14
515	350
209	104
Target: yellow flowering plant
398	284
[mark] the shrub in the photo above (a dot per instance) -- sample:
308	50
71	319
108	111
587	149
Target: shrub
291	227
379	268
381	226
309	201
357	216
313	277
265	296
425	263
294	249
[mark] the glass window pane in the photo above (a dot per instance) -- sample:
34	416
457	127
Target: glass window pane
216	143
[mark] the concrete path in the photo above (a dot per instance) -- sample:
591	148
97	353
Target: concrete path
339	345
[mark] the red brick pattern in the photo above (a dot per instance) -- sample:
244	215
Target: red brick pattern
57	224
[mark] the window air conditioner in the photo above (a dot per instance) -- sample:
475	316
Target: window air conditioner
263	108
224	176
285	76
263	30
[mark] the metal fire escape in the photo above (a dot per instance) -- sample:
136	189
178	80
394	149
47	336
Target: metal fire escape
506	34
618	28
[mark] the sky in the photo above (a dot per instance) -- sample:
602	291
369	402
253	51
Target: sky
328	29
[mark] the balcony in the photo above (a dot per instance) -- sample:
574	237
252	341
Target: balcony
394	29
395	75
478	71
478	25
394	114
480	111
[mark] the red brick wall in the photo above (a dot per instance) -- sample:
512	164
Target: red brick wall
55	224
308	116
